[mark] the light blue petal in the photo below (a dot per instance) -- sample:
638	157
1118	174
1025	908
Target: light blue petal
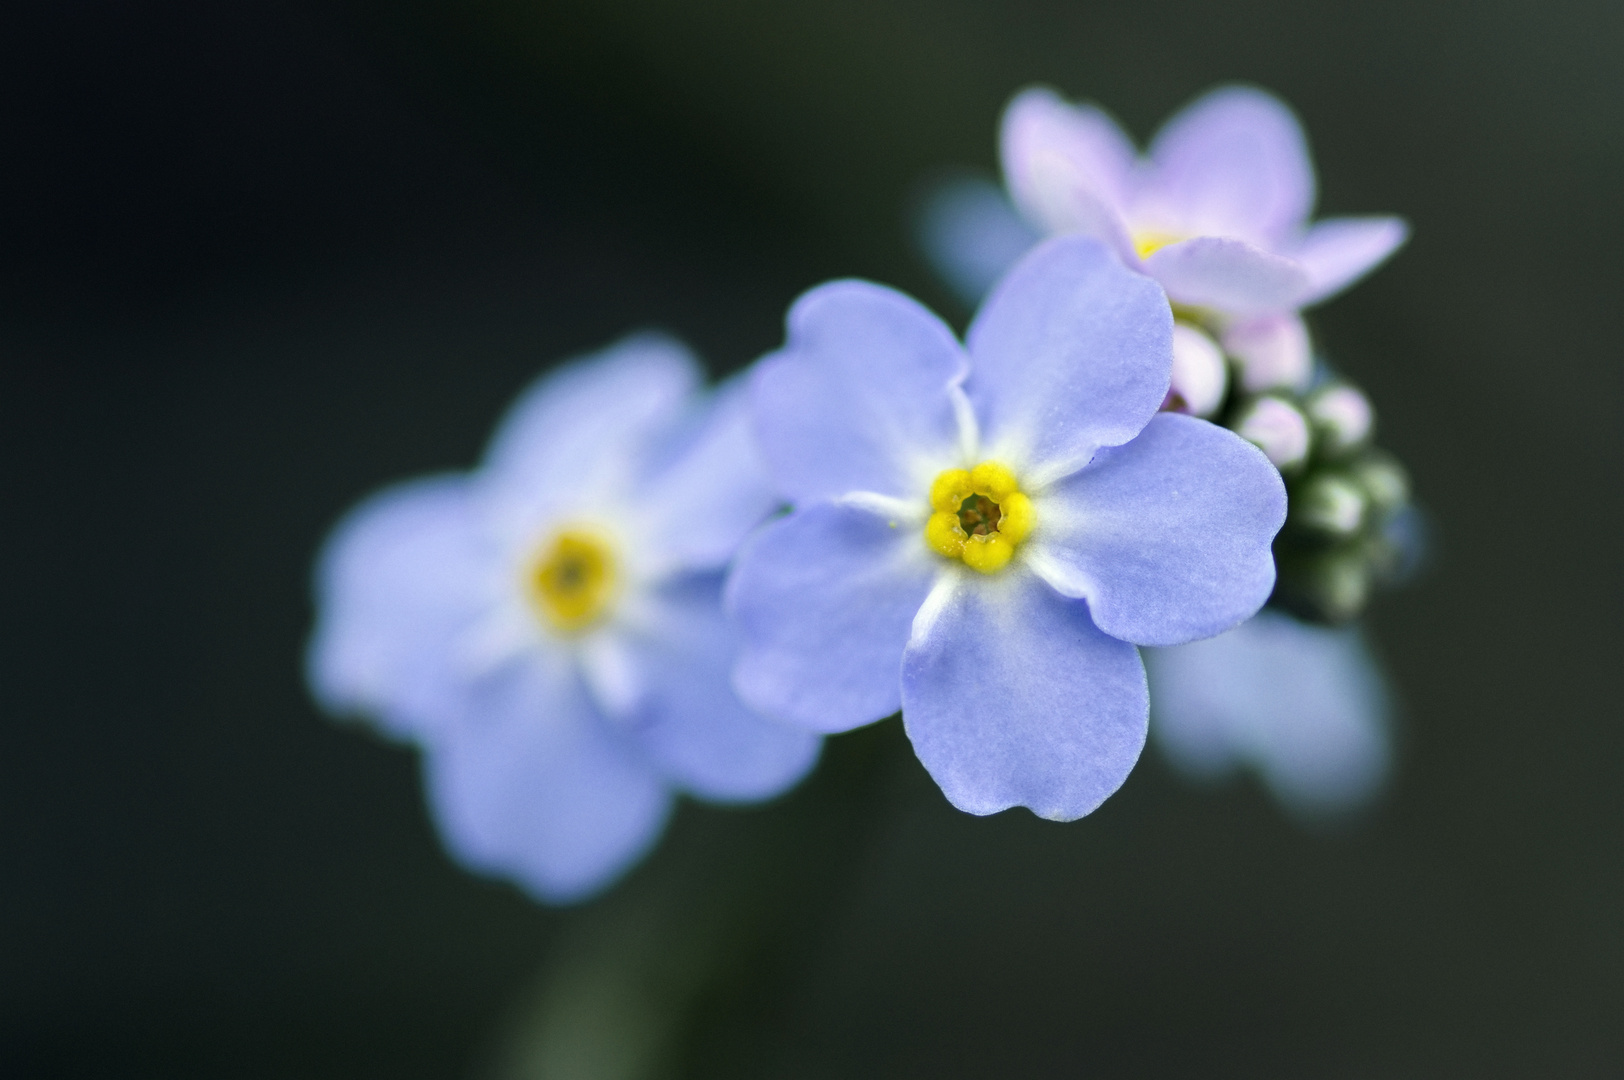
693	726
972	235
1234	163
580	432
1069	167
399	581
858	395
1073	351
825	599
709	489
536	787
1228	275
1013	698
1339	251
1167	537
1305	705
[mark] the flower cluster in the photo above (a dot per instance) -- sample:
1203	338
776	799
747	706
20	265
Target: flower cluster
1218	211
650	589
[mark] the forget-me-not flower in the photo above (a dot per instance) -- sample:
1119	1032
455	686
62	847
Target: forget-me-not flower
1304	705
548	628
1217	211
982	532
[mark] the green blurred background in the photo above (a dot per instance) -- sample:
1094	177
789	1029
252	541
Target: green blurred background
258	258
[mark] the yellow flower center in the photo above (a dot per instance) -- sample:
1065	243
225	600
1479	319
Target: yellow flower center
572	579
1148	242
980	515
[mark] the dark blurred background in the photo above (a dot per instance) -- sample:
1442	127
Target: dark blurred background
258	258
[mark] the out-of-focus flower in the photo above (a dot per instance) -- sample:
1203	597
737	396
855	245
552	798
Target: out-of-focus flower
1217	211
1004	519
548	628
1304	705
972	235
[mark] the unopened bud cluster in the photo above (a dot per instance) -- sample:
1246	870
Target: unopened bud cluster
1350	525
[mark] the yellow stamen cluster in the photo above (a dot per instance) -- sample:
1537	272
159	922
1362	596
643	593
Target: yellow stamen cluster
979	515
1149	243
573	579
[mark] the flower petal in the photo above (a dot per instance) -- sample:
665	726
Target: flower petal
972	235
535	786
1167	537
1339	251
1012	697
1067	166
825	599
1234	163
1073	351
693	726
579	433
710	490
859	397
400	581
1306	705
1228	275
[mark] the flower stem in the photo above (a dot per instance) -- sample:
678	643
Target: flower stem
679	971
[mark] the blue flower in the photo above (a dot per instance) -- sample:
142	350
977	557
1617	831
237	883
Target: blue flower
1306	706
548	628
982	532
1217	211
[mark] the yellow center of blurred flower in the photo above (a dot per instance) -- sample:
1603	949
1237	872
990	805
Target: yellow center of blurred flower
980	515
572	579
1148	243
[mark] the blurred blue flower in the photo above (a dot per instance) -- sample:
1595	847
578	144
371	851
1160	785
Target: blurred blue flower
1217	211
548	628
1304	705
980	532
972	234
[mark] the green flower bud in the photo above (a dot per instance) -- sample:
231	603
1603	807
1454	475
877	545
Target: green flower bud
1384	480
1276	427
1330	503
1342	417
